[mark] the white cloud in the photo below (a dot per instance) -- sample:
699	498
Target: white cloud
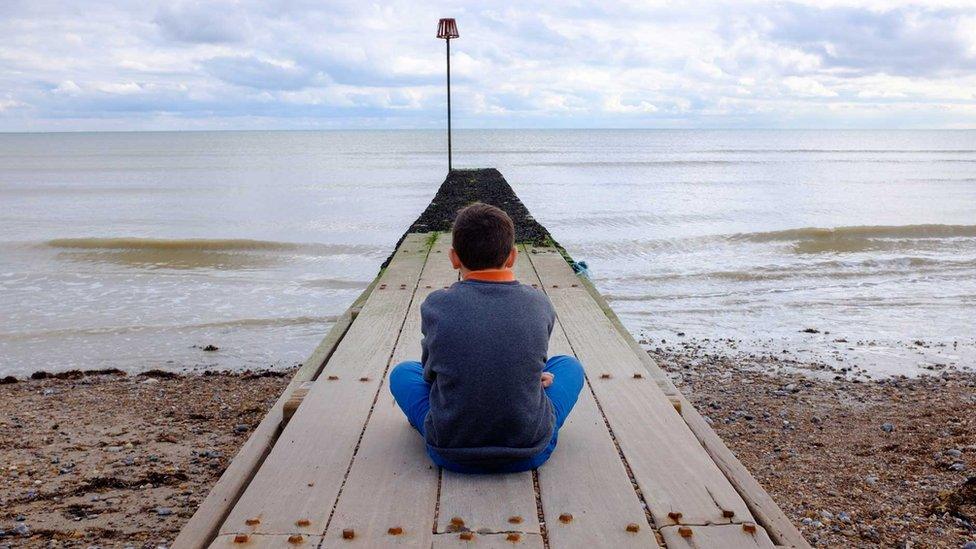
305	63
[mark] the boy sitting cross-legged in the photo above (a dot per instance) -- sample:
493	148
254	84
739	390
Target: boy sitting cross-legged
484	397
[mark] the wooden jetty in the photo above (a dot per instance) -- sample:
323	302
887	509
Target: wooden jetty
335	463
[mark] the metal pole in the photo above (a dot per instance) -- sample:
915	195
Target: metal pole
449	163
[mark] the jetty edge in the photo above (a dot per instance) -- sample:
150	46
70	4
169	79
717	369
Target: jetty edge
334	463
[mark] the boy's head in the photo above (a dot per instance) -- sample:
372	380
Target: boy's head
483	237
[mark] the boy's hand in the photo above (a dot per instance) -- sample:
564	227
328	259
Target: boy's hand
547	379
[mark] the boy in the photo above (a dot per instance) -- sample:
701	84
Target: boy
484	397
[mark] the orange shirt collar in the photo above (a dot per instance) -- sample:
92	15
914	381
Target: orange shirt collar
492	275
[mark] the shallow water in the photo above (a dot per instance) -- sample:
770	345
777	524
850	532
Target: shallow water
135	250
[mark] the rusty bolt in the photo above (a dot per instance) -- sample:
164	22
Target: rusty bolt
382	286
565	518
296	539
466	536
728	514
675	516
457	521
240	538
749	527
333	378
302	522
685	531
638	375
604	376
364	378
395	531
633	527
348	533
513	537
252	521
515	520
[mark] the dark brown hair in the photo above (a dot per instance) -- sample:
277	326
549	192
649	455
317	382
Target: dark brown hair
483	236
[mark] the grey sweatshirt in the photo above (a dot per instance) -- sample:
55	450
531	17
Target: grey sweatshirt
484	348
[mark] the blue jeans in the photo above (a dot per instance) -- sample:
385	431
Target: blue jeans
412	394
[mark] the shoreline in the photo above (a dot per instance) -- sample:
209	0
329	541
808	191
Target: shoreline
114	459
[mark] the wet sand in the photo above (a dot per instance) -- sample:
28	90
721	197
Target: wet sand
122	461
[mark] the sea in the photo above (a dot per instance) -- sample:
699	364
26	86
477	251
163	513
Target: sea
138	250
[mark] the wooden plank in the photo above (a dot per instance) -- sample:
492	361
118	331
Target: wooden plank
205	522
296	487
392	482
600	497
486	502
780	528
258	541
488	541
674	472
718	536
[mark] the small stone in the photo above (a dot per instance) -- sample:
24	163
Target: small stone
871	479
887	427
969	545
164	511
20	518
22	529
954	453
826	514
844	517
241	428
807	521
957	466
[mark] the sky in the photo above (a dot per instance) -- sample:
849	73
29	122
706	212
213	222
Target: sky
85	65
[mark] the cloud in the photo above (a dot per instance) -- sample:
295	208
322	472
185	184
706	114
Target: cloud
203	23
305	63
251	72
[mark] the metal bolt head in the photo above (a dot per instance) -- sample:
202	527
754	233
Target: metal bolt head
395	531
633	527
555	285
241	538
348	533
302	522
333	378
295	539
675	516
466	536
513	537
685	531
364	378
515	520
638	375
252	521
749	527
727	513
604	376
566	518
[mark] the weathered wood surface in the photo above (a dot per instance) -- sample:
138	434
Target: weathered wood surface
392	482
780	529
585	477
724	536
488	541
348	460
294	490
206	521
674	472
